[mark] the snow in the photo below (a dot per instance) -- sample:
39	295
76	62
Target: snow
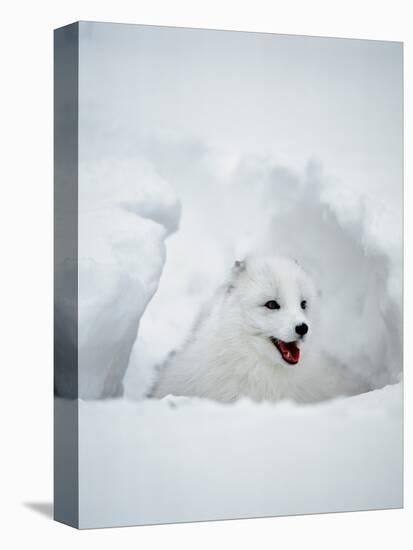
126	211
186	459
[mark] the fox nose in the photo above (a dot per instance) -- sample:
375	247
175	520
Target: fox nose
301	329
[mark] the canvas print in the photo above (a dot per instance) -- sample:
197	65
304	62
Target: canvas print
228	275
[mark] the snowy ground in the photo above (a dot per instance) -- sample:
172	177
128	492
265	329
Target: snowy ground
186	460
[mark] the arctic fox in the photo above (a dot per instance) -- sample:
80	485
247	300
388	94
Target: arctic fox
258	339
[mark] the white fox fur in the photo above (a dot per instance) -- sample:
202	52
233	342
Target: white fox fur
231	354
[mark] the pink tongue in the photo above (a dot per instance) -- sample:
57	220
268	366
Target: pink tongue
290	351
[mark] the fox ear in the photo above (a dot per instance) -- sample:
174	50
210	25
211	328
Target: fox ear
238	267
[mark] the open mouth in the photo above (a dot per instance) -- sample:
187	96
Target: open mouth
290	352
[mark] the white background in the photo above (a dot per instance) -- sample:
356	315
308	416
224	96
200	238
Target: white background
26	237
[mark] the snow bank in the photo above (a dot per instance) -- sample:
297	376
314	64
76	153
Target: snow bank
126	210
186	459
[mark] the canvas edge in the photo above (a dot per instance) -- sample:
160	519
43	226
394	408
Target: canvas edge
66	415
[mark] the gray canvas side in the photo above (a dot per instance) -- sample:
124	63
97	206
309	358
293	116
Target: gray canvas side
66	478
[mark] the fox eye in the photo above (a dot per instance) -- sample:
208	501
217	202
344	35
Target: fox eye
272	304
303	304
